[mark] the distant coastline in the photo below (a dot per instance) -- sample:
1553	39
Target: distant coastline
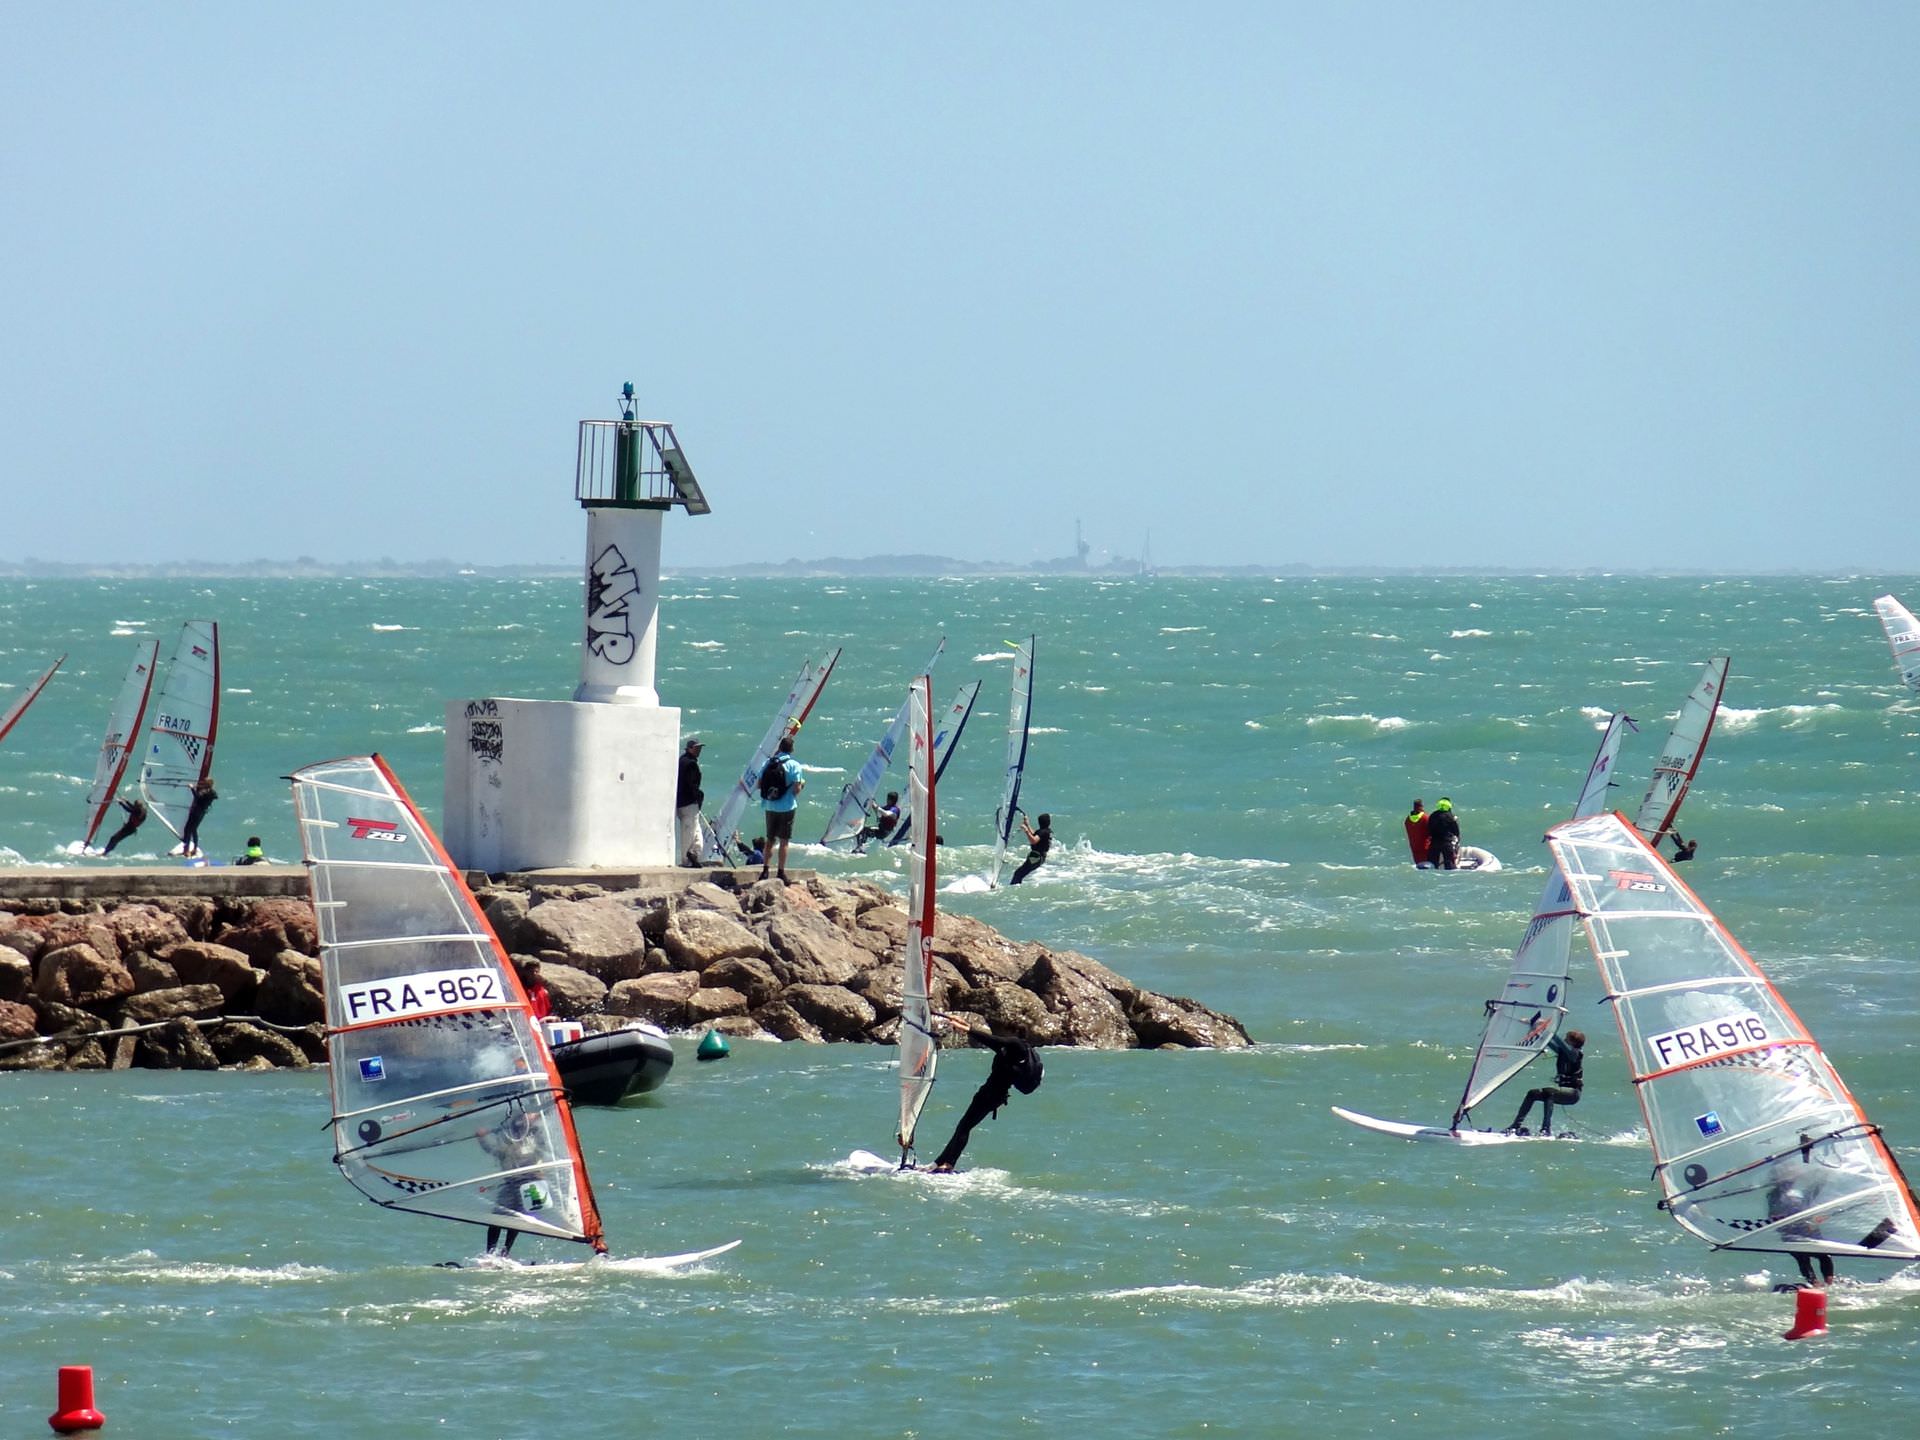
833	567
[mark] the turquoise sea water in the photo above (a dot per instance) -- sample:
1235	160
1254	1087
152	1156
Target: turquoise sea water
1155	1243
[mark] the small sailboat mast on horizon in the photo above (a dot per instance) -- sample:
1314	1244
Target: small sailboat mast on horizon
19	707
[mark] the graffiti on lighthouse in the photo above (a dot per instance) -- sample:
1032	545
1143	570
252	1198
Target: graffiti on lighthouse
611	583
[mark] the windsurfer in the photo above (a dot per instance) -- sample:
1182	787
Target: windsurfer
514	1146
136	817
1443	836
203	797
1417	839
1683	849
1569	1059
882	820
256	853
1016	1066
1795	1184
1039	842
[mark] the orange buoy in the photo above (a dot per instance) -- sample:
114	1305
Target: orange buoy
1809	1314
76	1412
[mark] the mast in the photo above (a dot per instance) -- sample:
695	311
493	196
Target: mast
919	1051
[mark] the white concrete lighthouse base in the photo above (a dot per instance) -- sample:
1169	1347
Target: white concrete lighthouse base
534	784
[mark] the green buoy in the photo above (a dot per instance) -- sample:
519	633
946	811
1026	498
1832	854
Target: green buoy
713	1046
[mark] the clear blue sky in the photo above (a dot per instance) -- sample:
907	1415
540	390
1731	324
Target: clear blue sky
1507	284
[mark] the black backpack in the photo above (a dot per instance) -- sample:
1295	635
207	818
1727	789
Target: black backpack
773	779
1027	1071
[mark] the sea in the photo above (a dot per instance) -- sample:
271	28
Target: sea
1156	1243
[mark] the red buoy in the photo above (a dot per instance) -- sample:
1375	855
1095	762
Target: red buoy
1809	1314
76	1412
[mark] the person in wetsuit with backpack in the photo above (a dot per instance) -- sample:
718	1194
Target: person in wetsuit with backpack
1016	1066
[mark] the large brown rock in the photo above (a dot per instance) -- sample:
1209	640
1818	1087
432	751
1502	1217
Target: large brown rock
77	974
837	1013
17	1021
38	936
593	934
659	998
196	914
16	975
977	951
1086	1012
266	927
506	911
149	973
573	991
1112	981
741	1027
752	977
880	985
709	1004
201	962
238	1043
809	950
196	1001
704	894
1011	1010
783	1022
57	1018
145	927
178	1045
697	938
887	921
291	992
1173	1020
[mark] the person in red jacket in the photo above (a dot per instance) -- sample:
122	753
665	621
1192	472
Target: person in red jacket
1417	841
539	1002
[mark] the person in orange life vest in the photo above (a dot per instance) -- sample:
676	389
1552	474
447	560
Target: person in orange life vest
1417	840
539	1002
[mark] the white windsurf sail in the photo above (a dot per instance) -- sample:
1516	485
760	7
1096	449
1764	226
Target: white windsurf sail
850	814
945	738
186	718
1903	634
1680	757
792	713
123	733
446	1101
1757	1144
1019	720
1533	1003
919	1052
19	707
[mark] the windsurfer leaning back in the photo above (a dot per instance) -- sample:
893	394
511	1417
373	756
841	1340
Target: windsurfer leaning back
1569	1060
1016	1066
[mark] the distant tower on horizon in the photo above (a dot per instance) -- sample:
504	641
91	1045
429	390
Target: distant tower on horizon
587	782
1080	547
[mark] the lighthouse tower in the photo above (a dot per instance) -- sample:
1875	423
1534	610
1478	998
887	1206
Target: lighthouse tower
586	783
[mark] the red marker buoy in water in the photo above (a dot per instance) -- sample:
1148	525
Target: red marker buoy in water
1809	1314
76	1412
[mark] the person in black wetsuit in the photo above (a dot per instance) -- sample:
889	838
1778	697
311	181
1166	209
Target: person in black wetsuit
203	797
1443	836
136	817
1569	1056
1016	1066
1039	842
1683	849
881	821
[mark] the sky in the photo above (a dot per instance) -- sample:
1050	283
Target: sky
1491	284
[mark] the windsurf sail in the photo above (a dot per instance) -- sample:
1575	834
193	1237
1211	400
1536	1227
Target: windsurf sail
1533	1003
1019	719
919	1052
792	712
186	718
944	739
19	707
446	1101
123	733
1903	634
851	813
1680	757
1757	1144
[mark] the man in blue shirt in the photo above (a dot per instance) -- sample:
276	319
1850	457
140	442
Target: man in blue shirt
780	787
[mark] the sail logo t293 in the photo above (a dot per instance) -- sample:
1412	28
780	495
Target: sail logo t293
1636	880
376	830
425	994
1706	1038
